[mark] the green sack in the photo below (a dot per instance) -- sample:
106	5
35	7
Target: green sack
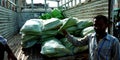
87	30
72	29
78	33
29	40
28	37
45	16
49	33
29	43
84	23
56	13
53	48
52	23
72	21
32	26
67	44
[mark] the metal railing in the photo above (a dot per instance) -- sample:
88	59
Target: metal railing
8	4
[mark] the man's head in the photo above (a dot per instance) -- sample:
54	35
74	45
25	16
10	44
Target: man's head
100	24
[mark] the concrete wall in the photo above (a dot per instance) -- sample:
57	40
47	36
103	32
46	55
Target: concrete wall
88	10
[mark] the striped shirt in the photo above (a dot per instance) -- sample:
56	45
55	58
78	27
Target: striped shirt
107	49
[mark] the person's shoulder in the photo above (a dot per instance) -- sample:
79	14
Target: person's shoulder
3	40
111	37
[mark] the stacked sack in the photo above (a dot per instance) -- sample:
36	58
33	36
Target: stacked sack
31	32
48	34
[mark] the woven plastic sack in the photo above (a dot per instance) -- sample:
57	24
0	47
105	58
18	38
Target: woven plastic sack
52	23
71	21
56	13
84	23
45	16
67	44
32	26
49	33
72	29
29	40
53	48
29	44
87	30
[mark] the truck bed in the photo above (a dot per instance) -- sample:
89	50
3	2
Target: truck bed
33	53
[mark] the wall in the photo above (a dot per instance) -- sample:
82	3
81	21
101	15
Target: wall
88	10
8	22
24	16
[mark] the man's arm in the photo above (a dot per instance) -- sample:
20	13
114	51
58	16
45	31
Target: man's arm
76	41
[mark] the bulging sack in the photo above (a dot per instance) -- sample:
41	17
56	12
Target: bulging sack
54	48
32	26
52	23
68	23
84	23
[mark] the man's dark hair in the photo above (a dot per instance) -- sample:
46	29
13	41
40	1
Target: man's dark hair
102	17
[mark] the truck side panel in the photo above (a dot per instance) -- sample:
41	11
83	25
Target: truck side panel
88	10
8	22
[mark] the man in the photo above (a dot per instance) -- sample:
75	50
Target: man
4	47
102	46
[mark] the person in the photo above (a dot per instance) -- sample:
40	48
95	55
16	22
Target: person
102	46
4	47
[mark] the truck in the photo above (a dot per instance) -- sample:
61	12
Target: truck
14	14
